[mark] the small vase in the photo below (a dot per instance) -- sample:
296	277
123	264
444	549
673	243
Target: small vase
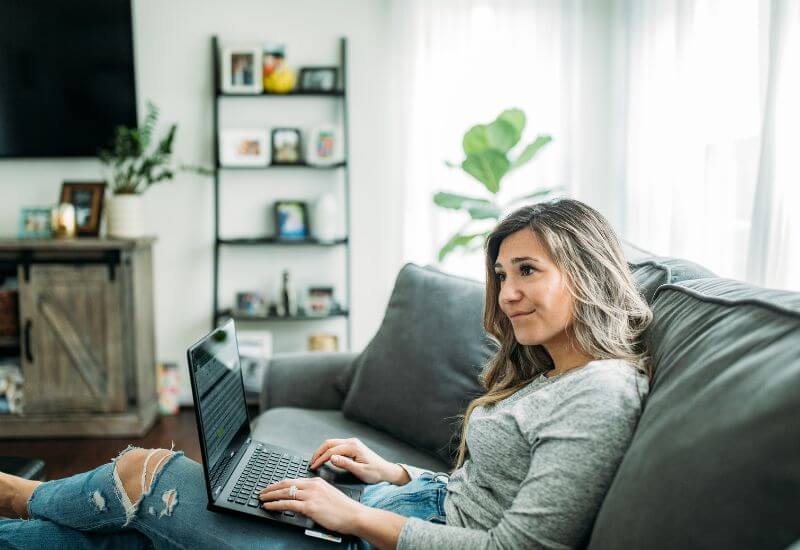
323	222
125	216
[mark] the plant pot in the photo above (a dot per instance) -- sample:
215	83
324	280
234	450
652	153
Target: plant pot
125	216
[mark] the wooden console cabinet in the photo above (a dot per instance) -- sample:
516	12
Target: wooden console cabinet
87	343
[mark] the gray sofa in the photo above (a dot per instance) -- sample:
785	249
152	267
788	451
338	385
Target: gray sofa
715	460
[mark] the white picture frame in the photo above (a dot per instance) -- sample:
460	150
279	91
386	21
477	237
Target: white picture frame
244	147
325	145
241	69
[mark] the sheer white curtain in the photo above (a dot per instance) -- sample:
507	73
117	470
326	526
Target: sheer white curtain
459	63
712	134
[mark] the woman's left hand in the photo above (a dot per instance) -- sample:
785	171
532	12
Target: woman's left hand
317	499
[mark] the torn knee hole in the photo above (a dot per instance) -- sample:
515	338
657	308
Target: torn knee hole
137	469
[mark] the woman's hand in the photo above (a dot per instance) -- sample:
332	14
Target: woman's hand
355	457
317	499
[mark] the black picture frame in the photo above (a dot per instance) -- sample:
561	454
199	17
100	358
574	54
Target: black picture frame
279	153
319	79
87	198
284	221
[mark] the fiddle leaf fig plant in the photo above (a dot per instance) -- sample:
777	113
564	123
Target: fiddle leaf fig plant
491	152
135	162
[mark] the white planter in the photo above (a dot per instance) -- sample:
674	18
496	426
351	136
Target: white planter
323	221
125	216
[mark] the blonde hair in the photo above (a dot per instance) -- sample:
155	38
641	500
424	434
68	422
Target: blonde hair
609	314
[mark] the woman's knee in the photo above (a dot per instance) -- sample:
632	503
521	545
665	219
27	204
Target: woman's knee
137	468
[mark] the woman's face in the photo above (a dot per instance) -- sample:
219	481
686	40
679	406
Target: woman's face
533	292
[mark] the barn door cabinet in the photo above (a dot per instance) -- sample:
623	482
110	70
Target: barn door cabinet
87	345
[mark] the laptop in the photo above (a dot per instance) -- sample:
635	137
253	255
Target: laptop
236	466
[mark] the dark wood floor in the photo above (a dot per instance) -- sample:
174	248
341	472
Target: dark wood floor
65	457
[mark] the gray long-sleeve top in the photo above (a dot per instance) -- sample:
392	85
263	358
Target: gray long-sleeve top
540	463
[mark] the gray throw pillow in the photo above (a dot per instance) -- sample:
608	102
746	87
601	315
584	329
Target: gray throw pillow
714	460
421	369
654	271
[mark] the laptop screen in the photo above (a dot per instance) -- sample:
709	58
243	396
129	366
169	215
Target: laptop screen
217	373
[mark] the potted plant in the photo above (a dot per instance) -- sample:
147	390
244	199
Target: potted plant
134	162
488	158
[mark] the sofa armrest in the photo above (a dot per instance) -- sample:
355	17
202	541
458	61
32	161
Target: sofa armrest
310	380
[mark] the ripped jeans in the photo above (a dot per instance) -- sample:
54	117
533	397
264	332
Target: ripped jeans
91	510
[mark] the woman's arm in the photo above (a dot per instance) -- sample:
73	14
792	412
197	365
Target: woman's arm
379	527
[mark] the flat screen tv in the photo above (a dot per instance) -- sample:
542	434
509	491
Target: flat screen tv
66	76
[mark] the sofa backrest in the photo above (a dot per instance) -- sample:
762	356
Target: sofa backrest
714	462
421	369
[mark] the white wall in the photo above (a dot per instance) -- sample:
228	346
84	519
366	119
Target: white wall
173	69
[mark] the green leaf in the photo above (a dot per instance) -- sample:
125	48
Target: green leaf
487	167
485	212
457	202
476	140
456	241
502	135
515	117
530	151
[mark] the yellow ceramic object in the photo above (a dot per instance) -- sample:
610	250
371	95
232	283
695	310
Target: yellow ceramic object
281	81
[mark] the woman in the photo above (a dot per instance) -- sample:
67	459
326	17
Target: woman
538	450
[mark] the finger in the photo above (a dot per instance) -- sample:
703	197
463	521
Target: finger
347	463
344	449
282	494
325	446
285	484
292	505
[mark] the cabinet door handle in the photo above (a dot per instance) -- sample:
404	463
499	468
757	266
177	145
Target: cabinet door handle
28	354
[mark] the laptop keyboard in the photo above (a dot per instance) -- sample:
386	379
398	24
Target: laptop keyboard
265	468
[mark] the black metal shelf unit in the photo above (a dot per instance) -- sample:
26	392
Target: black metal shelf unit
338	95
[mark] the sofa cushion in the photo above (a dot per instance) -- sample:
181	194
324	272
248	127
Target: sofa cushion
421	369
650	272
714	460
304	430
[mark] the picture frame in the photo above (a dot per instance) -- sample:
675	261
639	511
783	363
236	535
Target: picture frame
318	79
286	146
87	198
291	220
34	222
325	146
244	147
241	69
250	304
319	301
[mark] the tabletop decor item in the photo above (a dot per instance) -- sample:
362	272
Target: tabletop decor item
487	148
318	79
319	302
244	147
326	213
241	69
62	220
324	146
87	198
323	342
250	303
35	222
286	146
167	384
135	162
291	220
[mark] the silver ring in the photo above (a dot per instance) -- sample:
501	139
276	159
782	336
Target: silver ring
293	491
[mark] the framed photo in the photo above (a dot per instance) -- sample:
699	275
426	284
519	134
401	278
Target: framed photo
34	223
291	220
286	146
318	79
87	198
319	301
324	146
241	70
244	148
250	303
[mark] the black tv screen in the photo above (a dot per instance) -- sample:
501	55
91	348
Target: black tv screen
66	76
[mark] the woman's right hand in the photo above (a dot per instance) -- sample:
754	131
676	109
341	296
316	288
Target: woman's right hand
355	457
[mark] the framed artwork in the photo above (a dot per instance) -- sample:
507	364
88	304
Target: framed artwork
241	70
319	301
324	146
291	220
286	146
34	223
244	147
87	198
318	79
